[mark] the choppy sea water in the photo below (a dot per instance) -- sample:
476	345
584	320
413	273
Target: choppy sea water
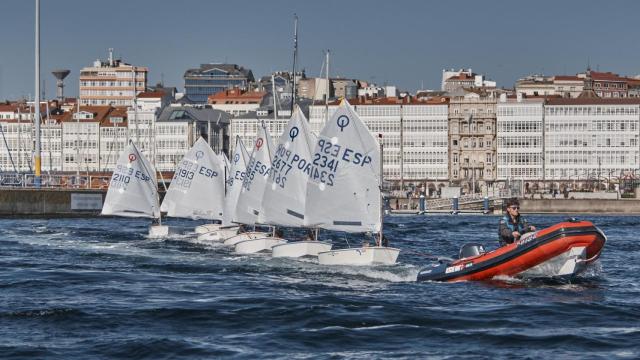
97	288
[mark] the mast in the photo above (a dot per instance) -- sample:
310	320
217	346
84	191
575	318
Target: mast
78	141
19	140
273	92
295	55
381	182
37	180
326	98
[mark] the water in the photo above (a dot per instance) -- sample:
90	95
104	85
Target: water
97	288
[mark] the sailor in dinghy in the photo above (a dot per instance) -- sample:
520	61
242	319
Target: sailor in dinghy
285	193
249	205
344	191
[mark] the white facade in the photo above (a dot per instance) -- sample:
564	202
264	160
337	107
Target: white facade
519	139
247	129
591	141
421	128
80	145
172	142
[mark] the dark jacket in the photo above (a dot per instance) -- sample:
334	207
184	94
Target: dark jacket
508	226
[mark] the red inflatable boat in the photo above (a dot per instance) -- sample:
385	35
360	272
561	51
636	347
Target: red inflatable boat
562	250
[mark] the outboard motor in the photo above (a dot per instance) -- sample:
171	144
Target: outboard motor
470	250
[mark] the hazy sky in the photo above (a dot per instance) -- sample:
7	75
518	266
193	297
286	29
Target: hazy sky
402	43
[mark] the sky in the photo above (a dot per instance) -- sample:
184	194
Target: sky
405	43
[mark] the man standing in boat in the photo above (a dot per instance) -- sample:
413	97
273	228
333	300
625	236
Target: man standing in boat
512	225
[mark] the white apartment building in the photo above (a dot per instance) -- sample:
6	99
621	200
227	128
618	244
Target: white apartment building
589	139
178	127
519	138
111	82
414	134
246	126
80	145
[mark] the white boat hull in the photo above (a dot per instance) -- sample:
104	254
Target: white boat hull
368	255
218	235
207	228
158	231
233	240
300	249
253	246
567	264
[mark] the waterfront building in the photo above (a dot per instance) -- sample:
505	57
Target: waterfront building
213	78
447	74
111	82
414	134
567	86
114	136
519	137
465	79
633	87
559	85
141	120
178	127
344	88
236	101
472	134
314	89
246	125
591	140
606	84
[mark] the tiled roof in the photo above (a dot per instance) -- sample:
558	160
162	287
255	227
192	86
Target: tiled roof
567	78
462	76
151	94
606	76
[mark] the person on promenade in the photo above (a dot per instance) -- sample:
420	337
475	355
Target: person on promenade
512	225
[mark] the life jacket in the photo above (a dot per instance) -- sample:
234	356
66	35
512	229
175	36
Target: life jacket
519	227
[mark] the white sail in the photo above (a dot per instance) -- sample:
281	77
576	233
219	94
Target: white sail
343	192
285	193
237	173
133	188
250	201
197	187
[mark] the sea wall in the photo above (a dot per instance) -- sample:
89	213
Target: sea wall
50	202
624	206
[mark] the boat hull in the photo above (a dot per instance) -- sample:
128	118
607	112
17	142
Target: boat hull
218	235
158	231
363	256
545	253
300	248
233	240
207	228
253	246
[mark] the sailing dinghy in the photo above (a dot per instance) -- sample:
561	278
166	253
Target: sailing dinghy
205	228
133	190
285	194
250	200
197	187
344	188
234	185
